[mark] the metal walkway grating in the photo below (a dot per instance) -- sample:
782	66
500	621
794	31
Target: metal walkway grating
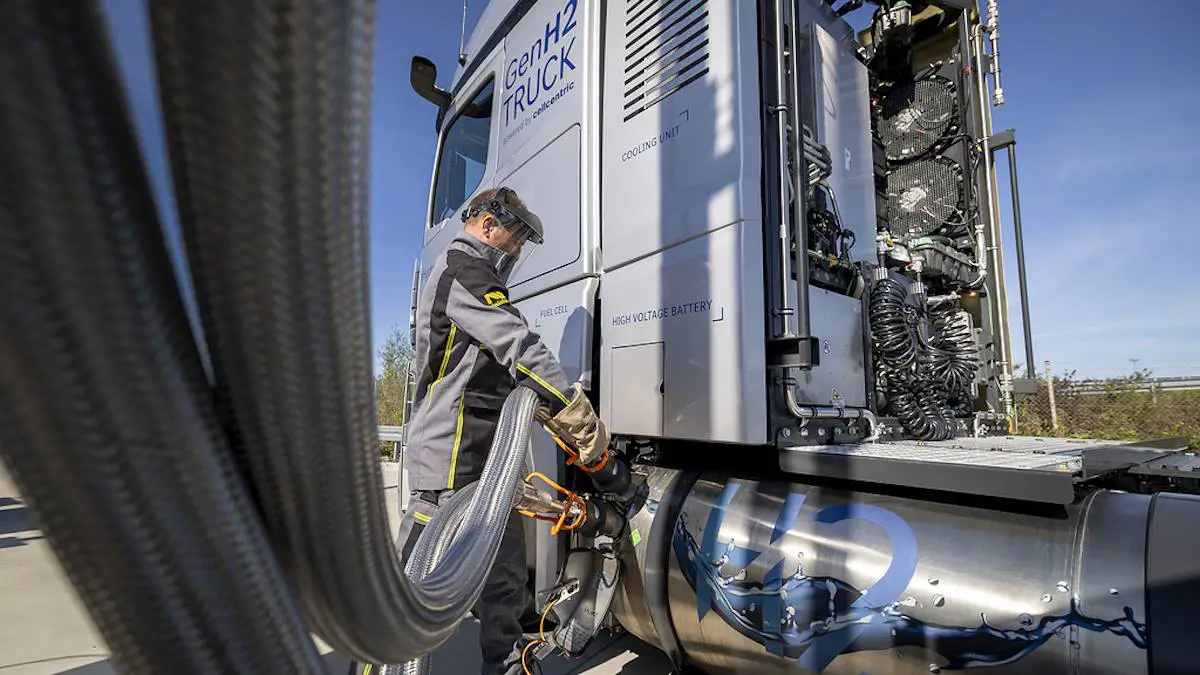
1024	444
1180	465
1009	467
949	452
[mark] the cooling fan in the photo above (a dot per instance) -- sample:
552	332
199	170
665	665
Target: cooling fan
925	196
915	116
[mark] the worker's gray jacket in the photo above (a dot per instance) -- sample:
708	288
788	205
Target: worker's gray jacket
472	348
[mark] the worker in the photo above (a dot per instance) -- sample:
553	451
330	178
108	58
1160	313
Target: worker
472	348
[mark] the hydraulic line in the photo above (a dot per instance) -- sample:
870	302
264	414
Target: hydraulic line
106	418
799	190
998	294
784	310
818	412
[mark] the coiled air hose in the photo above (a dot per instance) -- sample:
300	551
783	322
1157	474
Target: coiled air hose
890	329
906	361
165	531
957	358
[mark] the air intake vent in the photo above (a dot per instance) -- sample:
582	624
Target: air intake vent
666	49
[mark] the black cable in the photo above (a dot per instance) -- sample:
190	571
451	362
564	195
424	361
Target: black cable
579	663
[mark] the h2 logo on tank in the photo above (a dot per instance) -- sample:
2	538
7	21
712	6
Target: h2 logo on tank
844	624
813	620
542	74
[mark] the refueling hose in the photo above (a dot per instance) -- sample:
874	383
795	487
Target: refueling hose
106	418
139	470
271	186
426	554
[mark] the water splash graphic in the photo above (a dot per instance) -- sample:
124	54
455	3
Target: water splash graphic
790	612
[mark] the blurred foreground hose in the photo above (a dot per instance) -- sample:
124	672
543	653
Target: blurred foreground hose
106	421
140	476
266	109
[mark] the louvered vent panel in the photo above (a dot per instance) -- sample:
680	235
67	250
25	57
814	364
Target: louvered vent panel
666	49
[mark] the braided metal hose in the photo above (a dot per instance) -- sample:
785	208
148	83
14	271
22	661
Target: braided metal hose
271	188
426	554
106	420
265	107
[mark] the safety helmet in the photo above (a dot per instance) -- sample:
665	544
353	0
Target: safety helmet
505	207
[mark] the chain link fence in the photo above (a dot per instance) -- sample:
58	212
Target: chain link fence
1132	408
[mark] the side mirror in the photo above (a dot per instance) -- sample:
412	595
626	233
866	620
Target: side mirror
423	76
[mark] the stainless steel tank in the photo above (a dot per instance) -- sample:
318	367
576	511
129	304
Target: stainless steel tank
738	576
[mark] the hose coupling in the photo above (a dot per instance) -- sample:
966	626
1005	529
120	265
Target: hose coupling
589	516
565	516
611	477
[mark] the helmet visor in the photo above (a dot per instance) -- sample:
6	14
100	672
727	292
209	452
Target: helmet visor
522	222
519	220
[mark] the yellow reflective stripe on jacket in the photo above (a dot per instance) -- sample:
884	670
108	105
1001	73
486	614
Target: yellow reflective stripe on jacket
446	355
421	518
457	442
534	376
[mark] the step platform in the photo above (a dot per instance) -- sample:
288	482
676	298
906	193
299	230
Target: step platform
1026	468
1178	466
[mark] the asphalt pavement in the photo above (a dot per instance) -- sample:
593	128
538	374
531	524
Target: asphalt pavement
43	628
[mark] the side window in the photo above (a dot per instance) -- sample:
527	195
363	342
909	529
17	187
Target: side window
464	155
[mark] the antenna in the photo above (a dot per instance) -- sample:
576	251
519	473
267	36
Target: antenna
462	39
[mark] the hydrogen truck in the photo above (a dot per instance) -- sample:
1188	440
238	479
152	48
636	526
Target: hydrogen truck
773	255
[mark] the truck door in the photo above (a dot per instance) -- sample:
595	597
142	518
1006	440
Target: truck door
523	119
520	122
543	128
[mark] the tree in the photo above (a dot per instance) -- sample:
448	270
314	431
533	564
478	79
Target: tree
396	357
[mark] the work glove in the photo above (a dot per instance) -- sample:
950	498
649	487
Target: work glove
578	426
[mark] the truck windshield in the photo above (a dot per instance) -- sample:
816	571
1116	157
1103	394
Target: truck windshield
464	155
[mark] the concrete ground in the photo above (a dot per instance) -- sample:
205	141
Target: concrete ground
43	628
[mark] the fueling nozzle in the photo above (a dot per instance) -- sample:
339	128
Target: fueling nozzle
566	515
610	476
588	516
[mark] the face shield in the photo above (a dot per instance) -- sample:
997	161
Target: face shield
521	224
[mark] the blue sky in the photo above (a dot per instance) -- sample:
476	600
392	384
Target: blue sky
1103	100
